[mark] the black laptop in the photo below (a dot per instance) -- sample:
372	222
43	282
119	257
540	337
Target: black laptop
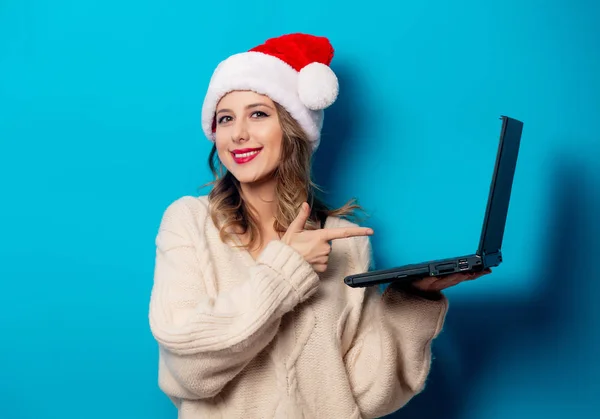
489	252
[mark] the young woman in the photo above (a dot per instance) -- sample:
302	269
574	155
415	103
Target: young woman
249	307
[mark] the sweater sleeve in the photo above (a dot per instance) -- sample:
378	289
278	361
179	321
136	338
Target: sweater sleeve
205	339
389	358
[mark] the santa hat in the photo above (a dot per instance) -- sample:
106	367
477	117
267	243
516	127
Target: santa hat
293	70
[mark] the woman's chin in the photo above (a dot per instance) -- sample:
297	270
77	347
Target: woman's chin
253	178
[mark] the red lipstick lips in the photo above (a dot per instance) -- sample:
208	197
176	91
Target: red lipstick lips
244	155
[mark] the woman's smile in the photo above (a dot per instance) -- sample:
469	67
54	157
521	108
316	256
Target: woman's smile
241	156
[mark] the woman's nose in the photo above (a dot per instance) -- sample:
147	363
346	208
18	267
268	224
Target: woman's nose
240	132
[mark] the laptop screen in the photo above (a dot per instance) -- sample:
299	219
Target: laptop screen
502	180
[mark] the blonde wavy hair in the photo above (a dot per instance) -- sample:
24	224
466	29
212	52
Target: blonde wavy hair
294	185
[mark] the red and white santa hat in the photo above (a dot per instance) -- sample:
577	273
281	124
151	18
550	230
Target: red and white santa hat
293	70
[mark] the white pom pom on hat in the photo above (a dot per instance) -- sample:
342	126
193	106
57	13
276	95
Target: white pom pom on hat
317	86
293	70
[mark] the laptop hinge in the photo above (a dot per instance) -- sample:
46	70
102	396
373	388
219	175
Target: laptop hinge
492	258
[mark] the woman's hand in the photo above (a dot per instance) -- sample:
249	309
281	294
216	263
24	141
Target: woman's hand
434	283
314	245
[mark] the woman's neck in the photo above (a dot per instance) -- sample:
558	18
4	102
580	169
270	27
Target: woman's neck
261	197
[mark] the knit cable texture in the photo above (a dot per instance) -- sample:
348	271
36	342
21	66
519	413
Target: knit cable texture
239	337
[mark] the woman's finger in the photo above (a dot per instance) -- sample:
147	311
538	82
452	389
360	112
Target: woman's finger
445	282
325	249
459	277
321	260
319	267
425	283
474	275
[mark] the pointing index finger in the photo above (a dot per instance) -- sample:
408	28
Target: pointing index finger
345	232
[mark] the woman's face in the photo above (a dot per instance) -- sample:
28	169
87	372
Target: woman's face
248	135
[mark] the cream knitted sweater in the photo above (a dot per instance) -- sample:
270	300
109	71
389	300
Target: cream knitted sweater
270	338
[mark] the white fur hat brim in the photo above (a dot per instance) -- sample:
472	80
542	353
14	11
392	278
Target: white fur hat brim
304	94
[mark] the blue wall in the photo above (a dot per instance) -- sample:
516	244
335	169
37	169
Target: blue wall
99	131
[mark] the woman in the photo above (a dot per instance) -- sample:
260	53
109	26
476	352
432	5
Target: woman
249	307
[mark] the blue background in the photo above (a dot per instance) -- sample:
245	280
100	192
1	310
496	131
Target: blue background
99	129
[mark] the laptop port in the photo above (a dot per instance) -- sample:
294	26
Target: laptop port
445	268
463	266
462	260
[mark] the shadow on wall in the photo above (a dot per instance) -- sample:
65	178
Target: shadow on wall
480	331
338	125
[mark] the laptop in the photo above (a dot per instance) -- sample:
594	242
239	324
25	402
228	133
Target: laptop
489	252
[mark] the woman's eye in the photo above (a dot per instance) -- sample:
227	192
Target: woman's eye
224	119
259	114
